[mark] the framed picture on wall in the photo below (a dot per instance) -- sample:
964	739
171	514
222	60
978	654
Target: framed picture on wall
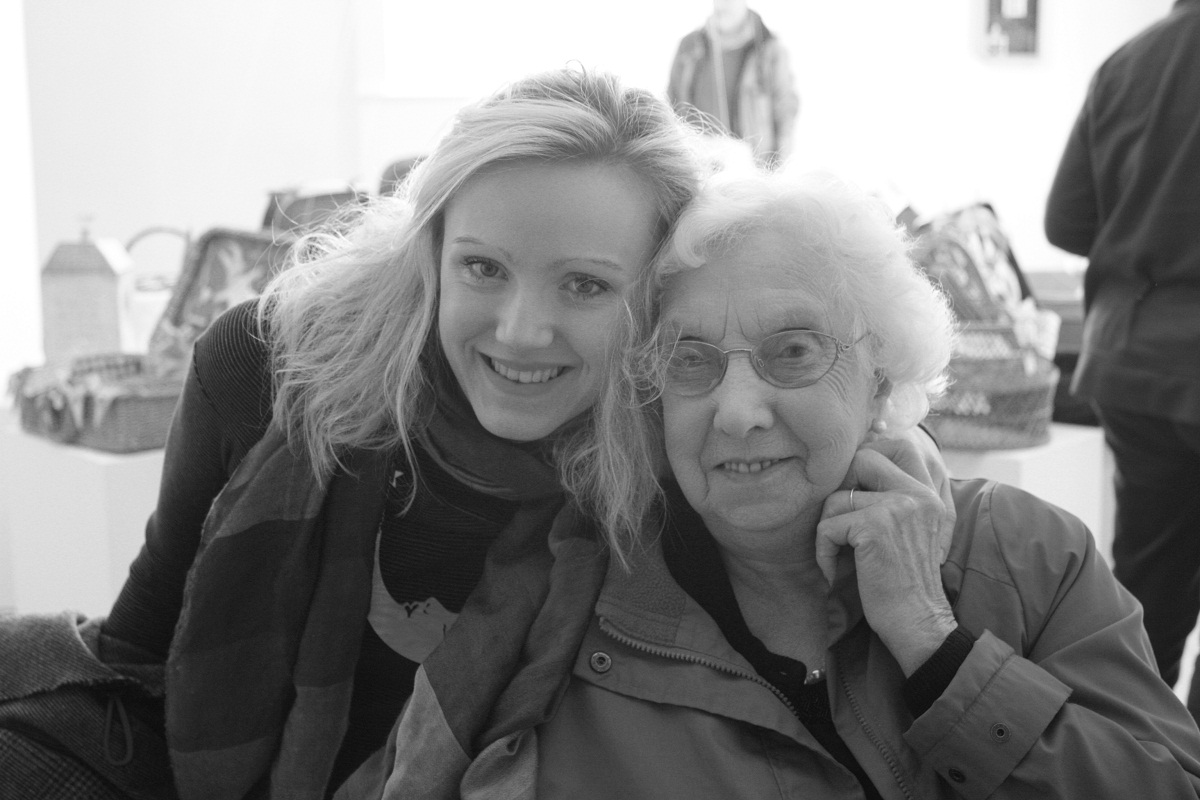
1011	27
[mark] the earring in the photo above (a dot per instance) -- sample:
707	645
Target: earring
878	426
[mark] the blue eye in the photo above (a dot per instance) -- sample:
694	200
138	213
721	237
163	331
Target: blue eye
483	269
586	286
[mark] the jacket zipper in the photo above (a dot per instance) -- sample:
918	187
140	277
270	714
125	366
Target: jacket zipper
875	740
612	631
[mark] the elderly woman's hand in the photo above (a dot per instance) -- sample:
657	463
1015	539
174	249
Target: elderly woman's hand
895	524
929	468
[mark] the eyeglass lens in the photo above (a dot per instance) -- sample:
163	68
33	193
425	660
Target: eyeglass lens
788	359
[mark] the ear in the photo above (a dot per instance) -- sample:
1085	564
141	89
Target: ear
883	390
883	386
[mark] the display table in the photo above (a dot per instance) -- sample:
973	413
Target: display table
1073	471
71	520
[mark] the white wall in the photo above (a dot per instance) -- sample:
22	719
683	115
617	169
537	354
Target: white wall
20	318
184	114
18	322
891	93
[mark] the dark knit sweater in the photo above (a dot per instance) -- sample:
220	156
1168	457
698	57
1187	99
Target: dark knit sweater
435	550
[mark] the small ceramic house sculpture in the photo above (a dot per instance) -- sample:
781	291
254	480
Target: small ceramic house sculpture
80	306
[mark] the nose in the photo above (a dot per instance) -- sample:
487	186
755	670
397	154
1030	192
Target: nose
742	399
525	320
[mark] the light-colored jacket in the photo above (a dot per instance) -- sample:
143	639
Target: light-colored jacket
1059	696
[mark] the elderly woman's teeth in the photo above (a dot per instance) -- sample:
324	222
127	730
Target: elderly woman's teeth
526	376
747	468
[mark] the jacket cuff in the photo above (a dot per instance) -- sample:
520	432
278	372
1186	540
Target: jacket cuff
994	710
928	683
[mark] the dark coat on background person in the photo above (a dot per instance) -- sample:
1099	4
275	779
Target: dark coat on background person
1127	196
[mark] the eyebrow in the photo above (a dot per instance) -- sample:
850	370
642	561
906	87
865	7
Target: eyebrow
561	262
787	320
674	328
473	240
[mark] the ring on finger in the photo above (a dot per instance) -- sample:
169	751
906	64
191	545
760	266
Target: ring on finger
852	508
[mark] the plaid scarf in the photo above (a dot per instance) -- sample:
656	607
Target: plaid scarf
261	668
500	672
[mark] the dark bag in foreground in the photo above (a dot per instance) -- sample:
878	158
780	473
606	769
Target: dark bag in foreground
71	726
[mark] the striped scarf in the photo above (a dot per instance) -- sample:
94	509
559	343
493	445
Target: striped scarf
261	668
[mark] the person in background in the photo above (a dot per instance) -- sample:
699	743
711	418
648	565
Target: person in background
1127	196
789	625
736	73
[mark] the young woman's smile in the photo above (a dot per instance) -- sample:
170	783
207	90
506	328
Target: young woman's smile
535	263
524	373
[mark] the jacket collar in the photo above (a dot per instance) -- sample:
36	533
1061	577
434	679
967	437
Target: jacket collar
647	604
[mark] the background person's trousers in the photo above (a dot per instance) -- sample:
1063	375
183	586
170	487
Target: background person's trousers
1156	535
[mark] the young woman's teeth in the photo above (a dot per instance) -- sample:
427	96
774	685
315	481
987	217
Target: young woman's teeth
526	376
747	468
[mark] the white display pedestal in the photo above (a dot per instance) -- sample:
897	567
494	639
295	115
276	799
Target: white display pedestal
1073	471
71	520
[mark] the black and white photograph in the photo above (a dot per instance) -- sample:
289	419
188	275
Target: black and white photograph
731	399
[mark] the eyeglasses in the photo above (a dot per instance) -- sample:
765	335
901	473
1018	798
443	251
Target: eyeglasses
788	360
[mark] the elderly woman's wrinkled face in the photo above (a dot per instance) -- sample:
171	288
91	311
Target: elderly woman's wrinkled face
749	456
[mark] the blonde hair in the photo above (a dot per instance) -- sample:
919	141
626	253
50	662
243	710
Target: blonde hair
866	276
352	321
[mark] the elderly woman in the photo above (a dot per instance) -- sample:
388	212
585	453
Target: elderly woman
794	631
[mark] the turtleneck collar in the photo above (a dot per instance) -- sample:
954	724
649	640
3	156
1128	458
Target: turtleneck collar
737	38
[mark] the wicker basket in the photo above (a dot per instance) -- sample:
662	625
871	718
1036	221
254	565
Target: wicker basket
121	402
1001	395
118	403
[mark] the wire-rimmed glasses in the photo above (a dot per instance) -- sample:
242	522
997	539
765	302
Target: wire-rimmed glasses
788	359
